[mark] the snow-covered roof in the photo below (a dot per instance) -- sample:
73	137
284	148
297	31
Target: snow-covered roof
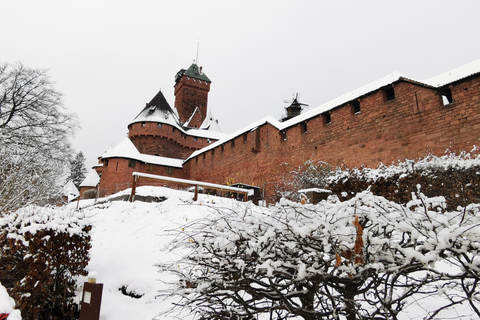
126	149
158	110
436	82
91	180
210	123
454	75
70	191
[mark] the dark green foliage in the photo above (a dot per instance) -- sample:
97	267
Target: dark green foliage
77	169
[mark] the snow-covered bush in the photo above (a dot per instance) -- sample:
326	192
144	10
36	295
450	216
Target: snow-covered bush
309	175
42	252
364	258
456	177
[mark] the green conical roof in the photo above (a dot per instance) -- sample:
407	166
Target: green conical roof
193	72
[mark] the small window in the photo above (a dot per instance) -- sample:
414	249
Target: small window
283	136
209	140
105	162
159	125
151	167
389	93
204	156
213	152
132	163
233	143
328	117
245	137
173	129
447	96
195	138
222	148
356	107
303	127
170	170
143	124
196	159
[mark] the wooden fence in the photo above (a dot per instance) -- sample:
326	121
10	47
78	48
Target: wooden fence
145	176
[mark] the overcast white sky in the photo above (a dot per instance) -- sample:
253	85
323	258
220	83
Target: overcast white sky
111	57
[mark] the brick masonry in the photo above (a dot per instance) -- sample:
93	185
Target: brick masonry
191	93
406	120
412	125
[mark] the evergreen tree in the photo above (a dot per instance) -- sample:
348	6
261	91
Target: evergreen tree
77	169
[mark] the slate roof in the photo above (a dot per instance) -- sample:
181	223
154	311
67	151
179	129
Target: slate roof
192	72
158	110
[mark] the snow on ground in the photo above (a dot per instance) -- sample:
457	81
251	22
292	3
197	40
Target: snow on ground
7	304
129	239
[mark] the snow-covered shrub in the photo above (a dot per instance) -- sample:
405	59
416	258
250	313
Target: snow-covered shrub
456	177
364	258
42	252
309	175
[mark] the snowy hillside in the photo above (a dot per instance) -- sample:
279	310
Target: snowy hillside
129	239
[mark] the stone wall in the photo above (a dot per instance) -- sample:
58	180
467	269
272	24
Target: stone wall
381	127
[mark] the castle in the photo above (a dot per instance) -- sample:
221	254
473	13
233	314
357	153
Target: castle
393	118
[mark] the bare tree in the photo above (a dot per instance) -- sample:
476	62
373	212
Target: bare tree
34	135
365	258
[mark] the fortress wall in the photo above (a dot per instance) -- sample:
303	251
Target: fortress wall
117	175
413	124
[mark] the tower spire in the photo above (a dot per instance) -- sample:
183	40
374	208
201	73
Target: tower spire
198	47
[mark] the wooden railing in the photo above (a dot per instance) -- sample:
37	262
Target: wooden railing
138	175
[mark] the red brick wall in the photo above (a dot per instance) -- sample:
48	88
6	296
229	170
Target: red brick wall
412	125
165	141
117	175
189	94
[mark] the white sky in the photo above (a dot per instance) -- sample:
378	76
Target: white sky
111	57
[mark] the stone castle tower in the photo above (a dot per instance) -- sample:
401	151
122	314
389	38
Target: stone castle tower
161	130
191	96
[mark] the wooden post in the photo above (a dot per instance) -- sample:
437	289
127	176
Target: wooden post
134	187
91	301
195	196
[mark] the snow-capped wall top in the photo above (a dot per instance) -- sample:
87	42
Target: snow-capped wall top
126	149
91	180
436	82
454	75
